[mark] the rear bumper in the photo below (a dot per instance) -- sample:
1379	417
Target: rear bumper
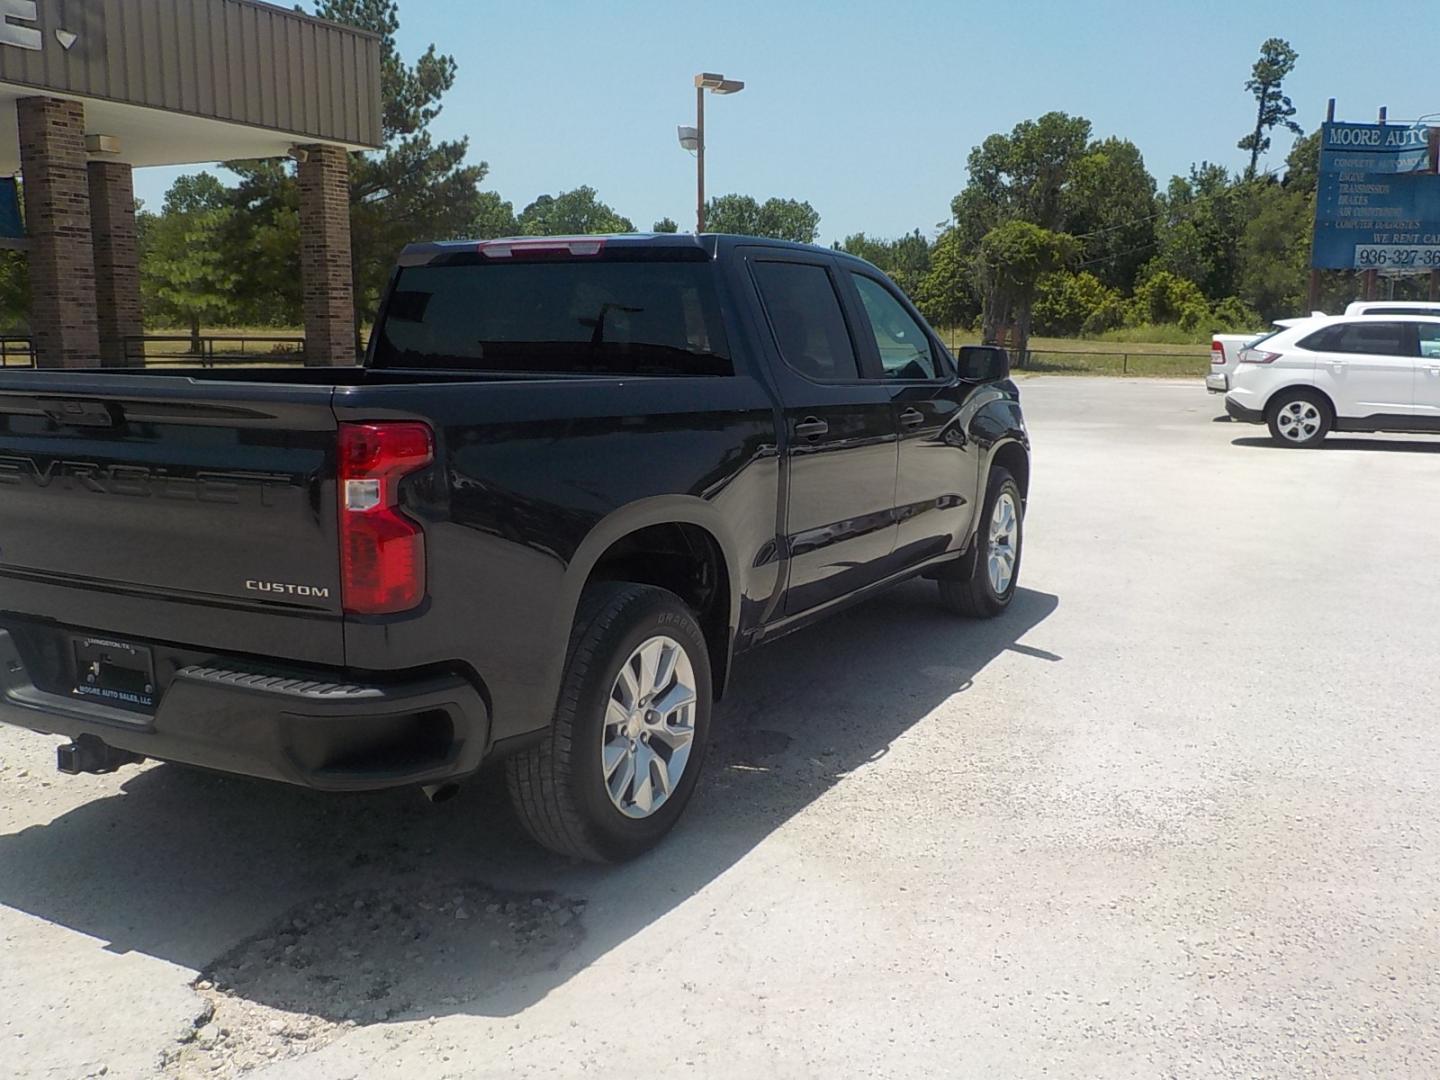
1217	382
1243	414
299	728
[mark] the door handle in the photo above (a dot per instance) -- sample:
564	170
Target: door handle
811	428
912	417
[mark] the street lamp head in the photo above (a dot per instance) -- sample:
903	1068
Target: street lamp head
718	84
689	138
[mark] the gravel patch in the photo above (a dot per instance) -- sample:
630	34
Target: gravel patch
361	958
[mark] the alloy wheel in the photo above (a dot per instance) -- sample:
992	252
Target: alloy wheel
1004	541
1298	420
649	727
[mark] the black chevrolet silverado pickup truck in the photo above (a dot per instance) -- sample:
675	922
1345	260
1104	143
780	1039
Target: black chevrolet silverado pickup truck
574	479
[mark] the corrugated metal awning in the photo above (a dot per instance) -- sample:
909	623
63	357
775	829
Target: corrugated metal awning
230	76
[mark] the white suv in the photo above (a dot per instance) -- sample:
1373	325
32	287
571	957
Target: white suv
1341	373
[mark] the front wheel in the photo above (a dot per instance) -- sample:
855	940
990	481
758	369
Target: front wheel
987	578
628	741
1299	418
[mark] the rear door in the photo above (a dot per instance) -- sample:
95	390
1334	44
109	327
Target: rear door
938	475
158	507
1366	366
841	432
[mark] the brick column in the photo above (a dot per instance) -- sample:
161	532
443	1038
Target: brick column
117	258
325	268
57	217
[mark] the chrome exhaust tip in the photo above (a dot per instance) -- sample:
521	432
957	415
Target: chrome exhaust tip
440	793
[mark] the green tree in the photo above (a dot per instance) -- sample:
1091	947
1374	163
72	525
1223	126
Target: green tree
1302	164
905	260
665	225
494	217
14	292
572	213
1013	257
1272	107
188	274
948	294
1274	257
1109	205
1051	173
1200	220
1066	302
1023	176
1169	298
778	219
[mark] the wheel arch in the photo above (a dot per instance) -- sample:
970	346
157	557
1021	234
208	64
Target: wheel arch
676	543
1014	457
1309	387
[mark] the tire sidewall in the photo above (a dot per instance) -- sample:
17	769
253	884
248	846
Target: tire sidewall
617	836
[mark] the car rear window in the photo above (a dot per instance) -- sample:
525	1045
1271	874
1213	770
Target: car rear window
556	316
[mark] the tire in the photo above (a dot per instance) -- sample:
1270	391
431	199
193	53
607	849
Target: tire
973	591
559	787
1299	418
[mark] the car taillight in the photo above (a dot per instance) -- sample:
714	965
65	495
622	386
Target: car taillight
1256	356
382	552
1217	354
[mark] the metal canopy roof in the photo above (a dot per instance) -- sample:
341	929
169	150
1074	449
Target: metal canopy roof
187	81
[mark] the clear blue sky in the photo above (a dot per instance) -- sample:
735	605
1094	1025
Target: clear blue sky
869	108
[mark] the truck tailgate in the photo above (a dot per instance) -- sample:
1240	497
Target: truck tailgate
172	509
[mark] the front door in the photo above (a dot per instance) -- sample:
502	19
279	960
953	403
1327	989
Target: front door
939	467
1367	366
1427	372
840	433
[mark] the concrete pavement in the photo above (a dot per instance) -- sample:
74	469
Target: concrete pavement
1171	817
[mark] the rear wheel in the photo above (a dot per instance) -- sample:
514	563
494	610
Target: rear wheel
985	581
1299	418
622	758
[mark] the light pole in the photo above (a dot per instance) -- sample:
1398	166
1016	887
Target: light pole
694	138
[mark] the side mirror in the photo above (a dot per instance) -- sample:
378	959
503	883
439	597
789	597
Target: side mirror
983	363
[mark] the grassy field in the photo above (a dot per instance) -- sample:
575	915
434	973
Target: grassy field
1077	356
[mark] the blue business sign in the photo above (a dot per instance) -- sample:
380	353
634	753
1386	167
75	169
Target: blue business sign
1378	206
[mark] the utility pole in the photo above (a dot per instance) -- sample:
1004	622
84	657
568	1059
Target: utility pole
699	156
1372	277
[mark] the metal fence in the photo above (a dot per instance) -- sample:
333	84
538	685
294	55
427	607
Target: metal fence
214	350
1117	362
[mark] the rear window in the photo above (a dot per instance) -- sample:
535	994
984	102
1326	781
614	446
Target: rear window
562	317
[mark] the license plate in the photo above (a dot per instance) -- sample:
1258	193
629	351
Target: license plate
115	673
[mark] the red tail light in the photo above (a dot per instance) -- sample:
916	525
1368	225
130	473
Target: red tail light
1217	354
382	552
1258	356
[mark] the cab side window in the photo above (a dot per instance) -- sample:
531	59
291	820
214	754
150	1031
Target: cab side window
905	349
807	320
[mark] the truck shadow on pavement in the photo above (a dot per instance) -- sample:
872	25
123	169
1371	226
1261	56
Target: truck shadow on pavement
372	907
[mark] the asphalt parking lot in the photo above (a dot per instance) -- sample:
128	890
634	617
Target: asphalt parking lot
1174	816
